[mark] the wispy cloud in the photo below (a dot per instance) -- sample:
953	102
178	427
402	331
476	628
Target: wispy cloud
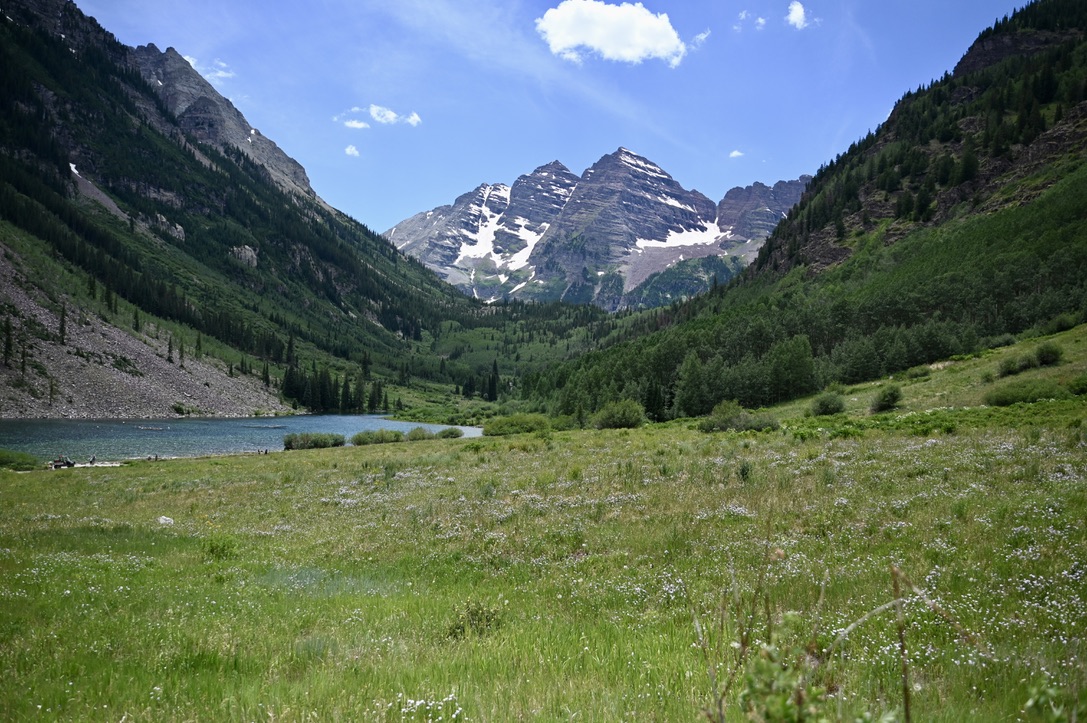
742	21
215	73
626	33
351	151
736	154
700	39
797	17
387	116
378	113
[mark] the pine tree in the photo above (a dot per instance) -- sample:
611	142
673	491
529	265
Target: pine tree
345	395
359	401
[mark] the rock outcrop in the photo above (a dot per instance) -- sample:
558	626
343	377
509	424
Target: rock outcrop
205	115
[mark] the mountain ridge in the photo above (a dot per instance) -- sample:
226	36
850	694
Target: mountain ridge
593	238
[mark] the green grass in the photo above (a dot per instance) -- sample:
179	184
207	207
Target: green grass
556	576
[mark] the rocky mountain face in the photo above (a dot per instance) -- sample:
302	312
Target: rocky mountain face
590	239
207	117
142	215
489	233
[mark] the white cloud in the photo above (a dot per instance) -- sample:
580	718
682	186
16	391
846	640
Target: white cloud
797	16
351	151
699	39
760	23
378	113
383	115
736	154
628	32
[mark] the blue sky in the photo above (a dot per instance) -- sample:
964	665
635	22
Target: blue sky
398	106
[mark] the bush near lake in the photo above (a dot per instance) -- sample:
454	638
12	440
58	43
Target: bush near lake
312	440
450	433
419	434
377	436
1024	391
516	424
18	461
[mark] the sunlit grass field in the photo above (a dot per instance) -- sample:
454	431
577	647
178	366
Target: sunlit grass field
559	576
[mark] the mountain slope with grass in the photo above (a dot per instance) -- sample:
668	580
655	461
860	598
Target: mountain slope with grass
953	227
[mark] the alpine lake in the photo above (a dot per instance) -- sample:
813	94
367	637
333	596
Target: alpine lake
113	440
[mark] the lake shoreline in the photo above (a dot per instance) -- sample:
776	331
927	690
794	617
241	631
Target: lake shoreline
132	439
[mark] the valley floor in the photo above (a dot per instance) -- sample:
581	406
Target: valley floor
560	575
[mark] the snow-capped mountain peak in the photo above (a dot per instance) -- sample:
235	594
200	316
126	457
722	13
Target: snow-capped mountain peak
552	234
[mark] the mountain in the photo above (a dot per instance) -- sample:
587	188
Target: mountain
202	114
161	256
953	228
594	238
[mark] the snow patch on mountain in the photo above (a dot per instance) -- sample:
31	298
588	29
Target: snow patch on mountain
705	236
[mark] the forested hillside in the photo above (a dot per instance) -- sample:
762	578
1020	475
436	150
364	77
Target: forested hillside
957	223
123	216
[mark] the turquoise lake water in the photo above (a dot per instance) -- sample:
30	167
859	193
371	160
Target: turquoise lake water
121	439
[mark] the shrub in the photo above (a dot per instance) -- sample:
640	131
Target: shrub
420	434
515	424
1048	354
220	547
1026	391
450	433
827	403
1078	385
475	618
995	342
624	414
18	461
1007	367
377	436
887	398
1059	323
918	372
312	440
729	415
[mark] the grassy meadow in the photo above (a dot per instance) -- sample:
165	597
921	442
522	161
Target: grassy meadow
584	575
